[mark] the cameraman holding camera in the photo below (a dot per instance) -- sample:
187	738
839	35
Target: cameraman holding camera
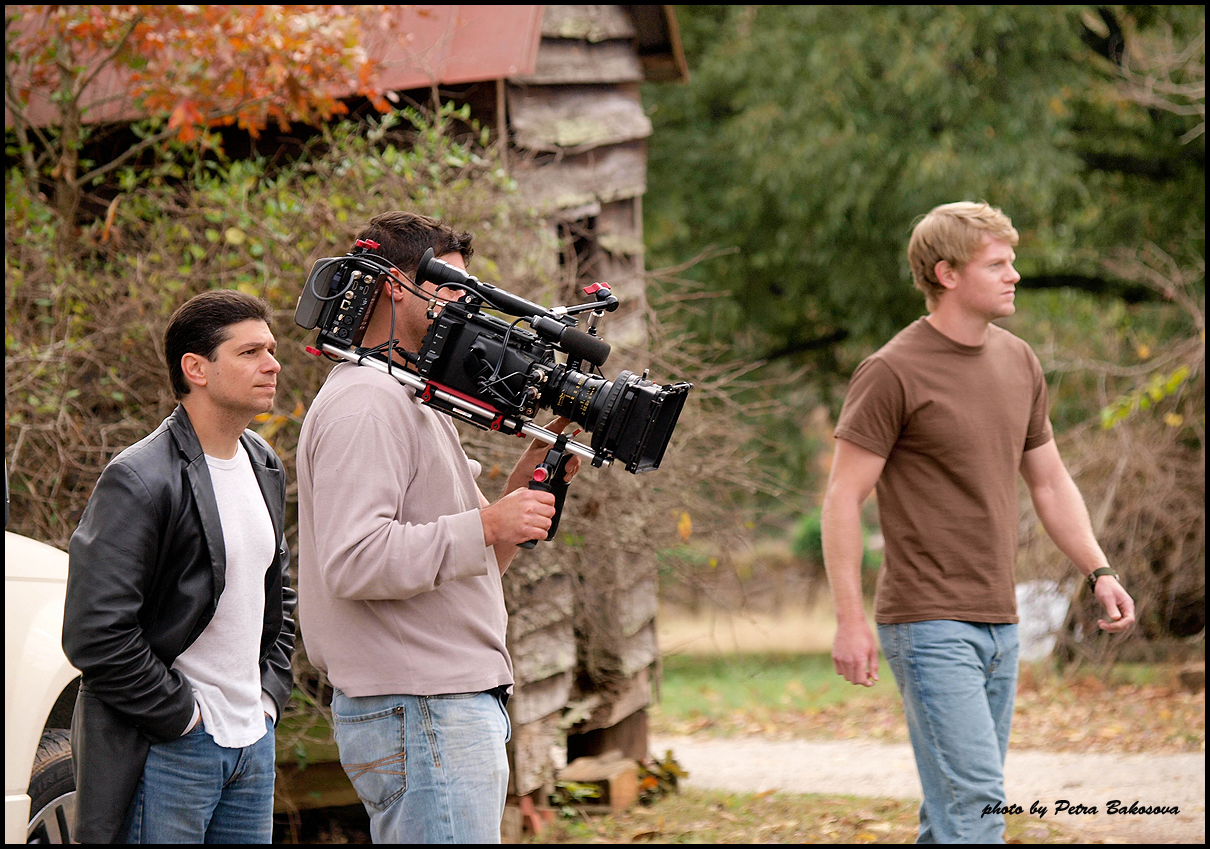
400	566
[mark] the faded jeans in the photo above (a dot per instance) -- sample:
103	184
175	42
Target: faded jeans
196	791
958	681
429	769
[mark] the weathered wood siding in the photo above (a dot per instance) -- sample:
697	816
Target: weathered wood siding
584	644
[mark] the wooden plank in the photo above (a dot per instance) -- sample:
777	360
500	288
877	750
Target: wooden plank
590	23
619	732
635	606
619	228
603	174
616	775
562	61
575	119
634	696
640	650
529	754
534	568
532	700
611	570
537	605
541	654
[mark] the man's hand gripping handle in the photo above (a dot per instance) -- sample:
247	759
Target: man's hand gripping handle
549	477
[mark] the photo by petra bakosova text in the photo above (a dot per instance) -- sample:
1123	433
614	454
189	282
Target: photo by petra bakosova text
1066	806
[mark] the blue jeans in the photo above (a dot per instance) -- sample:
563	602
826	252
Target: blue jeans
429	769
958	681
196	791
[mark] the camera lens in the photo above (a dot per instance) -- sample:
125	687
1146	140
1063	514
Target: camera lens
580	397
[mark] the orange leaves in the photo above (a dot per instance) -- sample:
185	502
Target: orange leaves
684	526
204	66
185	117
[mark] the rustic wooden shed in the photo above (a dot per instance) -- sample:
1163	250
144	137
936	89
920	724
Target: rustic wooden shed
560	86
570	118
574	131
577	134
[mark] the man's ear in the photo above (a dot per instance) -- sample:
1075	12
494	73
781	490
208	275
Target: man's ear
396	288
946	274
193	367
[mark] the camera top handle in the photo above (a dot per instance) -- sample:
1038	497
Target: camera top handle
548	323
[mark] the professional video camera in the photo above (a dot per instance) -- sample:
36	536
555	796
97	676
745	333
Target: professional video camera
493	373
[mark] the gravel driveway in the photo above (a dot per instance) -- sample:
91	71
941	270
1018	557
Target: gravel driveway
857	768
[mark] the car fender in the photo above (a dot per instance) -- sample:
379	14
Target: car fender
36	672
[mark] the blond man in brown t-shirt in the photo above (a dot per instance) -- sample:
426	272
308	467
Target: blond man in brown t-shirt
940	420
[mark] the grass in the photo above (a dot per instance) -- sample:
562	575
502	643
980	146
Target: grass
773	694
712	685
1130	708
696	816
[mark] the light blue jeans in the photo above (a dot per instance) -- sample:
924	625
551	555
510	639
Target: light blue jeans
196	791
958	681
429	769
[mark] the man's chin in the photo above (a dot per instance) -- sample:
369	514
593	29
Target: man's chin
255	411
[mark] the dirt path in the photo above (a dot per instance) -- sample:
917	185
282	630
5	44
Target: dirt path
887	770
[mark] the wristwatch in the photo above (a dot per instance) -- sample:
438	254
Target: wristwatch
1096	573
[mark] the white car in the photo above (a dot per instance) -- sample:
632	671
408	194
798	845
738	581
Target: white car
39	694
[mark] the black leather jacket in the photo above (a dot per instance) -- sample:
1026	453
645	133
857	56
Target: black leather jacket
145	571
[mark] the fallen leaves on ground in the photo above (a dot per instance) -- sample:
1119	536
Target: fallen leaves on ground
697	816
1052	713
1086	715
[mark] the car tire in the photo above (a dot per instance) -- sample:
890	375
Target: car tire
52	790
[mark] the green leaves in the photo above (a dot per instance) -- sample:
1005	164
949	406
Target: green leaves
1156	389
83	369
810	138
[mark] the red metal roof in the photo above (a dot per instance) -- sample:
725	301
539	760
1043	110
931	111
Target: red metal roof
435	45
460	44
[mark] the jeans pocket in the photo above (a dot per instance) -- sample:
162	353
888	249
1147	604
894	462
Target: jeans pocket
372	754
508	720
888	640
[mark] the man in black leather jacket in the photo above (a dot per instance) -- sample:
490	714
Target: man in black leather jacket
178	676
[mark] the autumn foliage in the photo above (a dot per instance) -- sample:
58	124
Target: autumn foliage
191	68
208	65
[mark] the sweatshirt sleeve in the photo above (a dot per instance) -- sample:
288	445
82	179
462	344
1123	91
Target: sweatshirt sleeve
380	529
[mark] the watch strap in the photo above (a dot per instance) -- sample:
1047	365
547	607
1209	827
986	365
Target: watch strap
1096	573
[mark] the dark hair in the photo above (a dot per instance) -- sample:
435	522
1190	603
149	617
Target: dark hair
403	237
200	325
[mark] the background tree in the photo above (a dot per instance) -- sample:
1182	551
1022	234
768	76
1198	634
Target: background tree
811	137
192	68
1131	380
787	175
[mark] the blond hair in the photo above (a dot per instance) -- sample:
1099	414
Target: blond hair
952	232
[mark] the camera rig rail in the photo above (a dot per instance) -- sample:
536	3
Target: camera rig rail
495	374
455	404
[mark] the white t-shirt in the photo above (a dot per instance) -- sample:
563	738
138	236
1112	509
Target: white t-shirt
223	664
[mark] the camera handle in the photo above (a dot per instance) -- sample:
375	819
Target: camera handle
548	477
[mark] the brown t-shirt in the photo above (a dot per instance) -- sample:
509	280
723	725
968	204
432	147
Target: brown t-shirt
952	422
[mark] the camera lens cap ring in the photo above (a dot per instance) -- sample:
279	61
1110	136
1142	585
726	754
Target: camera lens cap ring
601	426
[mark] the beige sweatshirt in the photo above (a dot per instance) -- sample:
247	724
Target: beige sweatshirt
397	592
